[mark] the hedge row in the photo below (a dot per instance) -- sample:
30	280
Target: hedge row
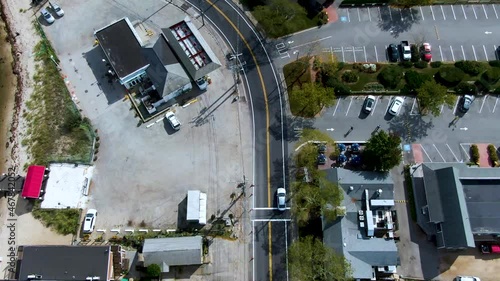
474	151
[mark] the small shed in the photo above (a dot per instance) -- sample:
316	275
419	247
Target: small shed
32	187
176	251
196	207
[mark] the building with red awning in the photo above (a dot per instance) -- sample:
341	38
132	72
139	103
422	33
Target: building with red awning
32	187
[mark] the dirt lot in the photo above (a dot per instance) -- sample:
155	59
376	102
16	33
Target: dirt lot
469	263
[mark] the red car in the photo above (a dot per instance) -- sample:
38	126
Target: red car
426	49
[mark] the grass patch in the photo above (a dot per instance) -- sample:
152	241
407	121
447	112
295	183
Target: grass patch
56	130
297	72
62	221
409	193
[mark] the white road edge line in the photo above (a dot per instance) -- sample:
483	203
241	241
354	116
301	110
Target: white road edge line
482	104
474	51
463	53
369	15
474	10
442	11
376	102
348	107
253	249
495	10
463	10
484	9
452	54
422	13
423	149
441	52
376	55
286	249
267	208
454	156
364	50
439	153
453	10
271	220
432	12
485	53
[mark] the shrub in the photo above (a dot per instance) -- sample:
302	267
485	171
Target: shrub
421	64
330	81
436	64
414	80
340	65
483	85
153	270
349	77
494	63
470	67
492	153
341	89
322	18
450	76
415	54
492	75
390	76
464	88
407	64
497	91
474	153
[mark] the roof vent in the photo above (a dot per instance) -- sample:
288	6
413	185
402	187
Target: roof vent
34	276
351	188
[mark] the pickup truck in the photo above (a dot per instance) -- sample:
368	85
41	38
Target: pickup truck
405	50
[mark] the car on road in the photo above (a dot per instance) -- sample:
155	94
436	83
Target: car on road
202	84
392	51
465	103
47	16
395	106
427	52
369	104
89	223
281	199
467	278
172	119
56	8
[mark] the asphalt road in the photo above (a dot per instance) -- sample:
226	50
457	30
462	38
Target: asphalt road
263	86
362	34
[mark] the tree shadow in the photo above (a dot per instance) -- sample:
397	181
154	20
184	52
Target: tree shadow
397	21
410	127
292	127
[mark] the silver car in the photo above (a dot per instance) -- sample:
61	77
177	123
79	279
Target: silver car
47	16
281	199
56	8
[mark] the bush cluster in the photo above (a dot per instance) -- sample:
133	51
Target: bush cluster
470	67
414	80
436	64
390	76
474	152
494	63
483	85
492	75
464	88
450	76
492	153
406	64
421	64
415	53
349	77
361	68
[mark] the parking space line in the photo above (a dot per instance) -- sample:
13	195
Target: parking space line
422	13
441	52
463	53
495	10
343	56
376	54
336	106
379	14
348	107
369	14
496	53
495	106
413	106
359	17
376	102
465	151
348	16
452	55
432	12
423	149
482	104
441	110
474	10
474	50
389	103
442	11
390	13
439	152
354	53
486	54
401	14
484	9
453	10
364	50
454	156
411	13
455	107
463	10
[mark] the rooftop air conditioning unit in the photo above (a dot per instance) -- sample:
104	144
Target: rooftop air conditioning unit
34	276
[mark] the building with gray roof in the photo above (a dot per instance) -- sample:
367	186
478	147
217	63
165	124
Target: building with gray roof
364	235
177	251
457	204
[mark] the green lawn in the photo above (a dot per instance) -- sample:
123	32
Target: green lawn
297	72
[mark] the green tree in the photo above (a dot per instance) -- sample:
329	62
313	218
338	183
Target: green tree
310	259
431	96
390	76
414	80
280	17
382	152
309	99
410	3
153	270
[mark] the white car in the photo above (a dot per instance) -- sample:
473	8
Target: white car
172	119
202	84
369	104
467	278
395	106
89	223
57	9
47	16
281	199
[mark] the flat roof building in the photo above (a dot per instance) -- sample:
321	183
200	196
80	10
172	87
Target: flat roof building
176	251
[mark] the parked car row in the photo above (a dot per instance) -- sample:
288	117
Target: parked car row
54	7
403	53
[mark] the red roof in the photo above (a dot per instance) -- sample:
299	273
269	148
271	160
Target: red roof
33	182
